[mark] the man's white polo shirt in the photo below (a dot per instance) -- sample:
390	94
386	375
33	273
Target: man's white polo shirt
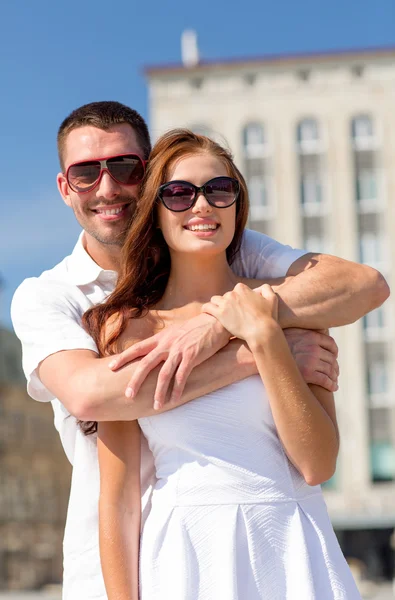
46	314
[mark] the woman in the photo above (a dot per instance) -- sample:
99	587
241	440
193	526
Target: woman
237	513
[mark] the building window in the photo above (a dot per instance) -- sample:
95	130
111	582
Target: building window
309	147
382	450
377	377
308	131
366	163
309	137
258	191
371	248
311	188
362	127
374	322
254	140
258	172
314	234
366	185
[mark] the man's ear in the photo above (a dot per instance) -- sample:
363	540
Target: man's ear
63	188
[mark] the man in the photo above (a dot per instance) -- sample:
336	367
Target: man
102	148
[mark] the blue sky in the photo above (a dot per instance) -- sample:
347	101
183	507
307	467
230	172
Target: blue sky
56	55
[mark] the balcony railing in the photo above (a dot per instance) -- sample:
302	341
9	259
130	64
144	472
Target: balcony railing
311	147
365	142
381	400
314	209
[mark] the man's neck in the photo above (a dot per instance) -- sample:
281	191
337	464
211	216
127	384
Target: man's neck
107	256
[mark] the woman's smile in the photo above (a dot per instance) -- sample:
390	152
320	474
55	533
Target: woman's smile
202	227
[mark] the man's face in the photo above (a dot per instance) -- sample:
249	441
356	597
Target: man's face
92	208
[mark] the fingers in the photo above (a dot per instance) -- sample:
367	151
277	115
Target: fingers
327	358
327	342
145	366
211	308
308	337
135	351
216	300
165	376
180	379
241	287
267	291
322	339
329	369
181	368
321	373
324	381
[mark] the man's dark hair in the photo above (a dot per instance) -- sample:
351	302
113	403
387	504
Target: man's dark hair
103	115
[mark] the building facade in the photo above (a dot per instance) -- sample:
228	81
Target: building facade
34	481
314	136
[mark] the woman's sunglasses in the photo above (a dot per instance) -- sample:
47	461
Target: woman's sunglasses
220	192
125	169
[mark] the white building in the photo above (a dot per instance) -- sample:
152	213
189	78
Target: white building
314	136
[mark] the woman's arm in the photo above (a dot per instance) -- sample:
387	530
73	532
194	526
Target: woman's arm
119	507
305	417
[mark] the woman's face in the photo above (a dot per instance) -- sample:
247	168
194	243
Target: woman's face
202	229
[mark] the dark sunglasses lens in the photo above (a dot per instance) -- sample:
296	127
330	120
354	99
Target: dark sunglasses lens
81	177
222	191
128	170
177	196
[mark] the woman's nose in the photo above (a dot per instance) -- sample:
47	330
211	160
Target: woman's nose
201	204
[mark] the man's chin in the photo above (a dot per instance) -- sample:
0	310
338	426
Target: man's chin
112	232
109	238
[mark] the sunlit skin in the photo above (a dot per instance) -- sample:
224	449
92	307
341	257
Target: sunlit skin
104	234
202	252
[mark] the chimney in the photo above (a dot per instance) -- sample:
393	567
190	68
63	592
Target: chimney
189	48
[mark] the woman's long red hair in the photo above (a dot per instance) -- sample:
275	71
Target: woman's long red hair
145	260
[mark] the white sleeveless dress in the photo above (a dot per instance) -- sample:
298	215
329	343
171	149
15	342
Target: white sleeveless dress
231	518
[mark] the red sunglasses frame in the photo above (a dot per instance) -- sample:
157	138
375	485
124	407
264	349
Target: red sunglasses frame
103	161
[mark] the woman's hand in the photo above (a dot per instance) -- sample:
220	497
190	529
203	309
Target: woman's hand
245	313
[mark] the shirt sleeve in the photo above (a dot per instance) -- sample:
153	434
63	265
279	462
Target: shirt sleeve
261	257
47	319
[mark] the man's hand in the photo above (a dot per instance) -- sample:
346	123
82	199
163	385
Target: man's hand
315	353
180	348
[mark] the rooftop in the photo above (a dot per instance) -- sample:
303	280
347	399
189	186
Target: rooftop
348	55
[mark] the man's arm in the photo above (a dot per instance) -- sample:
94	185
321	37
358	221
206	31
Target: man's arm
319	292
323	291
60	359
92	392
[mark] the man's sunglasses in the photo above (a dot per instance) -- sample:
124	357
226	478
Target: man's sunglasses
125	169
220	192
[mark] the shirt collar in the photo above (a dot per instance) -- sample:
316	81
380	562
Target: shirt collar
83	269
